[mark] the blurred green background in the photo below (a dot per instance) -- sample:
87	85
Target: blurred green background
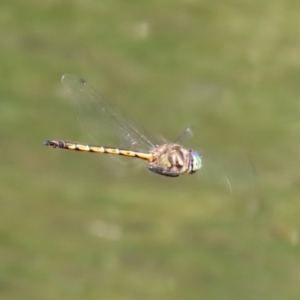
80	226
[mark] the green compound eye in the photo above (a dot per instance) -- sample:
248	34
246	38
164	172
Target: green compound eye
196	162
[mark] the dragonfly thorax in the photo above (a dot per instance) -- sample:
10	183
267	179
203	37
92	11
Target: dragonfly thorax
173	160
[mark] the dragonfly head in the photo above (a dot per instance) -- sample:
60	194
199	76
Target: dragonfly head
195	162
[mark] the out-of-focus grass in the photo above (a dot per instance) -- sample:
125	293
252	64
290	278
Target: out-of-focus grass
75	226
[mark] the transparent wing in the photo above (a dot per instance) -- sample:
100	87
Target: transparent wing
229	173
187	133
100	121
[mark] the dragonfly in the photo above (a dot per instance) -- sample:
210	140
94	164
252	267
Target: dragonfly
168	159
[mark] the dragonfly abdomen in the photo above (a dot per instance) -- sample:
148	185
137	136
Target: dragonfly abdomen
97	149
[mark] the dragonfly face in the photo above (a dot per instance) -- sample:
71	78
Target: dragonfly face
173	160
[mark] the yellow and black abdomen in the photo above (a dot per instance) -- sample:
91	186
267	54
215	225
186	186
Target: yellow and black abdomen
97	149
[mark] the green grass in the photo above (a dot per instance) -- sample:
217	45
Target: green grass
80	226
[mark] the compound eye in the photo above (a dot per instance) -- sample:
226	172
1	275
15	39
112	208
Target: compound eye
196	162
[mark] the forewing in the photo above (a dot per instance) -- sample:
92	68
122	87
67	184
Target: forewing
102	123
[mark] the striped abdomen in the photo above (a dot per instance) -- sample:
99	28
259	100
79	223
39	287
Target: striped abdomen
97	149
